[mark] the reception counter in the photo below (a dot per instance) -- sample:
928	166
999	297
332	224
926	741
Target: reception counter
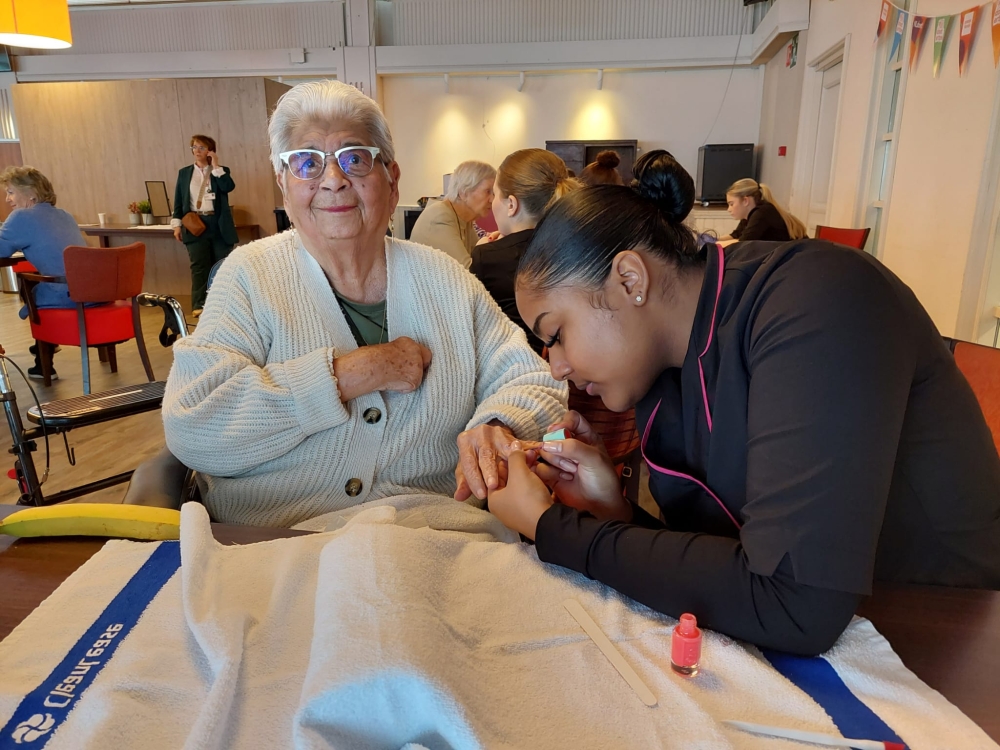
168	268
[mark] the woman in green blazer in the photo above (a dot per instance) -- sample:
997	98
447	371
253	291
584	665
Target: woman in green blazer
203	188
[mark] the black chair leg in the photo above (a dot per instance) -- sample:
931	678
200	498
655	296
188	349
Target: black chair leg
44	350
84	351
102	354
112	357
140	341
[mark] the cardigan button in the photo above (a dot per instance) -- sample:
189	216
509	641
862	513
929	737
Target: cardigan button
353	487
372	416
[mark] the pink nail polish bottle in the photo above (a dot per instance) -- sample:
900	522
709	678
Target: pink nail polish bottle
685	646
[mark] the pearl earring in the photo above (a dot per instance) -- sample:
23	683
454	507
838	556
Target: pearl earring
638	298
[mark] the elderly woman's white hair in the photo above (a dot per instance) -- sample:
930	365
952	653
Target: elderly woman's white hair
466	176
324	102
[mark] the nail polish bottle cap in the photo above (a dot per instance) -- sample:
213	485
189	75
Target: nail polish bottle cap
688	625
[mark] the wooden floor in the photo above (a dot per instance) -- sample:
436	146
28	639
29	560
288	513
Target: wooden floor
101	450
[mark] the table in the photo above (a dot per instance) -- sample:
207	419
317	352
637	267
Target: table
950	638
168	267
105	233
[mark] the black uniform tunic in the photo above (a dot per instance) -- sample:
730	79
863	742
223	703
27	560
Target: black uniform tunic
839	435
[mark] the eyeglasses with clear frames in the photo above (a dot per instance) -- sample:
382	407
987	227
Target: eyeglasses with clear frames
308	164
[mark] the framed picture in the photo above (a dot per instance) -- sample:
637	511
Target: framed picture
157	193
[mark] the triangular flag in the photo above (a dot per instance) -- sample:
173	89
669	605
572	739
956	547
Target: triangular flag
918	32
883	18
967	34
996	33
901	16
942	25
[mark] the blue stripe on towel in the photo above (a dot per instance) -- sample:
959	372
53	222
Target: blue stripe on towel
45	708
817	677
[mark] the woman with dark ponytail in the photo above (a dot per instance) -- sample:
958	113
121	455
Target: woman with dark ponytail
806	429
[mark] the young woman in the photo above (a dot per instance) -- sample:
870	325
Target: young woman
759	215
806	429
527	183
603	170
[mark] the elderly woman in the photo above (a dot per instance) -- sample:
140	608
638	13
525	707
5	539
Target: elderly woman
334	365
447	224
41	231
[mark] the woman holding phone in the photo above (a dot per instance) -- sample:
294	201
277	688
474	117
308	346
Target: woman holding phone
202	219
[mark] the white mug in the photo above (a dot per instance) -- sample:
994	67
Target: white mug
102	219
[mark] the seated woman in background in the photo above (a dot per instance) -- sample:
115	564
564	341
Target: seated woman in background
41	231
603	170
806	429
527	183
759	215
447	224
335	365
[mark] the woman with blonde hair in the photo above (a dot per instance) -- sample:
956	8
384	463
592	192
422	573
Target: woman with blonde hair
41	231
527	183
447	224
760	216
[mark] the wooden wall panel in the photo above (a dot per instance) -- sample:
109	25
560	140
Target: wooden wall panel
100	141
10	156
273	91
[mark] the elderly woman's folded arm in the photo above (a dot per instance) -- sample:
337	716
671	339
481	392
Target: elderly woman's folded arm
224	412
513	384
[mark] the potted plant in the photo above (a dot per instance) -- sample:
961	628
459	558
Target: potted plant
146	210
134	217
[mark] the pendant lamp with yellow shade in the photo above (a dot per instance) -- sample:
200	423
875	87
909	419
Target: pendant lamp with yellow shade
41	24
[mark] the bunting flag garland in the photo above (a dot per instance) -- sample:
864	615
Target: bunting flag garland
968	23
883	18
942	25
917	34
967	32
897	38
996	33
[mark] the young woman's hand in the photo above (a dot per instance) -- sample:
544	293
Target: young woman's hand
582	476
522	501
574	423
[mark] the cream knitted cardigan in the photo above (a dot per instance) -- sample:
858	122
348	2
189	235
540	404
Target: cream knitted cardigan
252	404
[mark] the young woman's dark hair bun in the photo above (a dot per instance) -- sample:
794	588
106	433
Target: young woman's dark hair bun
660	179
581	234
608	159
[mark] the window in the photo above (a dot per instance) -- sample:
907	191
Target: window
887	101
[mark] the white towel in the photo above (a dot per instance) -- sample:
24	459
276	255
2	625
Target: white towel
381	635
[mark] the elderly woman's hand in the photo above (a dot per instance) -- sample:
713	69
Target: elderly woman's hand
397	366
482	459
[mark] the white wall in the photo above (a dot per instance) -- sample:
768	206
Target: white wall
939	163
829	24
942	145
434	130
779	120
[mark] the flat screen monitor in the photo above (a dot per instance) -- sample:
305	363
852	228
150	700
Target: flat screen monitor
157	192
720	165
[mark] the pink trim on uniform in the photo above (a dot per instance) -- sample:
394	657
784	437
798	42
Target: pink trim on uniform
654	467
711	330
